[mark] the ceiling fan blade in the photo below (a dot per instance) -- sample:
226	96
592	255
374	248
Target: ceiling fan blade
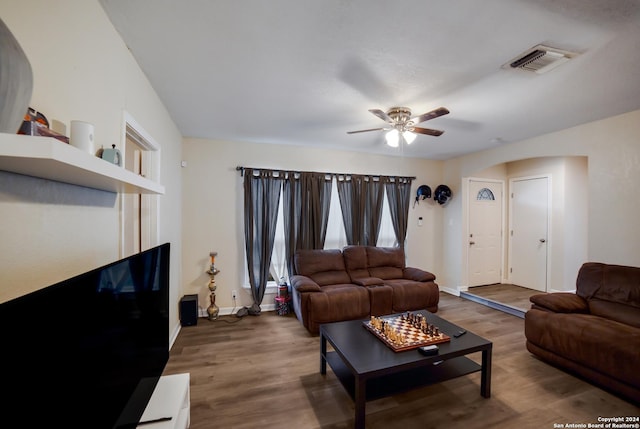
427	131
430	115
382	115
364	131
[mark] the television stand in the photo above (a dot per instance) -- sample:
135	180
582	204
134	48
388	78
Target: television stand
169	406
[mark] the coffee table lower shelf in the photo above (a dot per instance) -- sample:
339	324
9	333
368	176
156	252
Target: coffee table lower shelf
399	382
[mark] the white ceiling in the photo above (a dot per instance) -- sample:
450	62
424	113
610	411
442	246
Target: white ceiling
305	72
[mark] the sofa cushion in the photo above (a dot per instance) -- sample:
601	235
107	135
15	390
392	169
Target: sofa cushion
368	281
409	295
604	345
612	291
614	283
385	262
418	275
355	261
339	302
325	267
560	302
612	310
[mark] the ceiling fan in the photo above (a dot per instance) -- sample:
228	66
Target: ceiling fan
403	124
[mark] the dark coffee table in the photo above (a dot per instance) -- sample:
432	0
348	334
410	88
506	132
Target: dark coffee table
368	369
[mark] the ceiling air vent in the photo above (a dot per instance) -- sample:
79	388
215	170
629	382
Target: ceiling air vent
540	59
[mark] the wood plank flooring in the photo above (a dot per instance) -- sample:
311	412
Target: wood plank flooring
263	372
509	298
512	295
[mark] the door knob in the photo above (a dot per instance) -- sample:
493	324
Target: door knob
542	240
472	242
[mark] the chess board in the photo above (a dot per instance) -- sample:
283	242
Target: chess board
411	335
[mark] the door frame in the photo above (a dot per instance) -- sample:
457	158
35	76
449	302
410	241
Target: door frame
465	229
150	222
549	238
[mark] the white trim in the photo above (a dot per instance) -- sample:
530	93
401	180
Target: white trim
454	292
227	311
151	170
465	232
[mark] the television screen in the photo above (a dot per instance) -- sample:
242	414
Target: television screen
77	353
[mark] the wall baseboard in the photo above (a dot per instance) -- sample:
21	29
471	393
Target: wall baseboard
226	311
450	291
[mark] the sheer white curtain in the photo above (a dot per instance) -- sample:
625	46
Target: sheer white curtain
386	235
278	268
336	236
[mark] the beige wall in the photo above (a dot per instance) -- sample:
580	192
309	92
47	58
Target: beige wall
213	212
610	220
82	70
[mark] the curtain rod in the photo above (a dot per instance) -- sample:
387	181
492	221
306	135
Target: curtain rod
242	168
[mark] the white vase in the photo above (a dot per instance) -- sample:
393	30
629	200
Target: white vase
16	82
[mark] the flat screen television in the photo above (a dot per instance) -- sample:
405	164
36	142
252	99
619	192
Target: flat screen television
87	351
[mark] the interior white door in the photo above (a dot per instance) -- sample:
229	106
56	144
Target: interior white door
485	232
528	236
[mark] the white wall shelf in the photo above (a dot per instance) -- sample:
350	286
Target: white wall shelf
48	158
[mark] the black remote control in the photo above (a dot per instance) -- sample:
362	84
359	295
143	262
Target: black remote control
428	350
460	333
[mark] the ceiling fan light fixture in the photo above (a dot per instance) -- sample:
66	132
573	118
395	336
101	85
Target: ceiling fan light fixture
403	129
409	137
393	138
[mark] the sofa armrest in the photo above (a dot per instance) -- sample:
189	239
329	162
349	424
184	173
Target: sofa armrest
304	284
560	302
368	281
418	275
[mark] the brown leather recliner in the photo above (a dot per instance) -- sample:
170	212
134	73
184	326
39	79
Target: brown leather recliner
358	282
397	288
594	333
323	292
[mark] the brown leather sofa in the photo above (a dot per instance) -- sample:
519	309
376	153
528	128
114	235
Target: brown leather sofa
356	283
595	332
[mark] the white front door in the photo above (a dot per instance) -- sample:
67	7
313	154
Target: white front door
485	232
528	236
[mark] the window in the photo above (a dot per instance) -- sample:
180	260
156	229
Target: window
485	194
336	238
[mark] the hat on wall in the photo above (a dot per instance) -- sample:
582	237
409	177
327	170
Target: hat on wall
442	194
423	193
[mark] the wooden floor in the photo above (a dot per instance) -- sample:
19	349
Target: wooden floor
263	372
507	294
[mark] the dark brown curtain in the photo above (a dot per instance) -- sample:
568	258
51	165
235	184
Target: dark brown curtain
306	212
361	205
261	199
399	198
374	194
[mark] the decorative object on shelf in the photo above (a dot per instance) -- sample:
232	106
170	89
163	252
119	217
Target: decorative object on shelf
112	155
16	82
82	135
36	124
213	311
